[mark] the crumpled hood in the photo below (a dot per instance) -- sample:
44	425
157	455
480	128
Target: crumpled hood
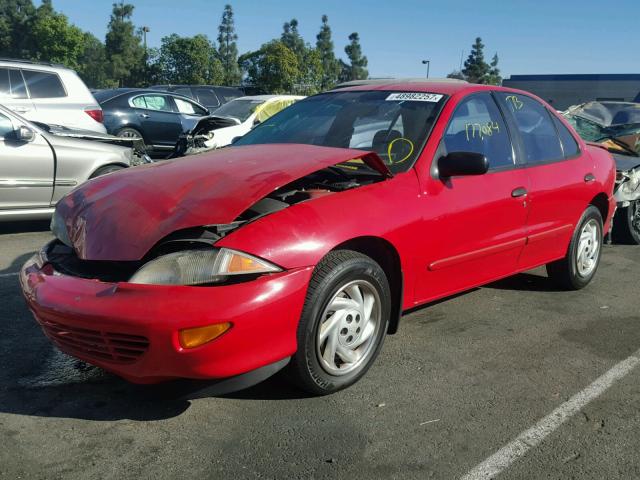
120	216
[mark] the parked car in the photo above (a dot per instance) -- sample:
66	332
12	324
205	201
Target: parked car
232	120
616	125
159	118
48	93
292	248
38	166
209	96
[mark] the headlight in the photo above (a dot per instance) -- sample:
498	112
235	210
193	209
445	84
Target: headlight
59	229
197	267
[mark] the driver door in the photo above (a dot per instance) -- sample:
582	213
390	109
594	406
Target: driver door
26	169
474	227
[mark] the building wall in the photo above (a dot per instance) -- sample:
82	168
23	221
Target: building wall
562	91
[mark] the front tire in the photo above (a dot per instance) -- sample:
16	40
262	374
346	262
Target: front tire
343	323
578	268
626	224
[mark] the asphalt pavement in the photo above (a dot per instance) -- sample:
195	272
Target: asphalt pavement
450	394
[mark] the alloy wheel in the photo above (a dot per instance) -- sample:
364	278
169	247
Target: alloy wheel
588	250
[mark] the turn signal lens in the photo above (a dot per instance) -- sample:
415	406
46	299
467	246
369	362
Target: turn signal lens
194	337
232	262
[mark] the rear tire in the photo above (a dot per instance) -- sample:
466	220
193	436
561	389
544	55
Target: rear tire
626	224
128	132
106	169
578	268
343	323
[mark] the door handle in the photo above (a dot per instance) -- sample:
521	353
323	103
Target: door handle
519	192
589	177
20	109
144	115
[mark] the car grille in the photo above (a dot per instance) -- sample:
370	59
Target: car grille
95	344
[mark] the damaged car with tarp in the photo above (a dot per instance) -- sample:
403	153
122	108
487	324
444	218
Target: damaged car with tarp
616	126
233	120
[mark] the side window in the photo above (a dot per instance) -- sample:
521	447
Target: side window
152	102
539	136
5	86
569	144
184	91
18	89
6	126
477	126
187	107
206	96
43	84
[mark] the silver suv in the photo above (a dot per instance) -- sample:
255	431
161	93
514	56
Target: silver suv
49	93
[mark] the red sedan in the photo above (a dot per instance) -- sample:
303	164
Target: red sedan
303	243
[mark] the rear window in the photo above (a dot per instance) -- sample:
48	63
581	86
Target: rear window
43	84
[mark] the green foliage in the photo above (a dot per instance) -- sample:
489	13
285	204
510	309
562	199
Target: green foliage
357	70
457	74
124	49
228	48
92	63
189	60
494	78
15	22
53	39
274	67
330	65
308	80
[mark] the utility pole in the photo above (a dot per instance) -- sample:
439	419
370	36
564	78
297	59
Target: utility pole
427	63
145	30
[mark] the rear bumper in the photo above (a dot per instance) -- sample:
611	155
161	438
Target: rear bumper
132	330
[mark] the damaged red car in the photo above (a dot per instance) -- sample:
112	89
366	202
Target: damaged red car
302	244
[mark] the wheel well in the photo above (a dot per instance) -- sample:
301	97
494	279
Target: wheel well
385	254
601	202
123	165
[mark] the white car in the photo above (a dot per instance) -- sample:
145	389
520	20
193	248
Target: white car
50	94
247	112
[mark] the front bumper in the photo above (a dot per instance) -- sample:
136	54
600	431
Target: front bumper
132	330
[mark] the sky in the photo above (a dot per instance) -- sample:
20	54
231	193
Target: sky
530	37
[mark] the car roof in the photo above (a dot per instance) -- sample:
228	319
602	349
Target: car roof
32	64
109	94
445	86
269	97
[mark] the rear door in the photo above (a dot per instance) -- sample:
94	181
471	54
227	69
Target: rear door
26	169
480	230
159	119
13	92
557	173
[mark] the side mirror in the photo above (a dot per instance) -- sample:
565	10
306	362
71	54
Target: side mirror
25	134
462	164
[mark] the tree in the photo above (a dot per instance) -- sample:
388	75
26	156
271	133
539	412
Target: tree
330	65
15	19
53	39
228	48
189	60
457	74
476	69
494	78
92	63
124	49
357	70
292	39
274	67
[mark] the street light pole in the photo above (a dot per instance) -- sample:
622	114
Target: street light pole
428	64
145	30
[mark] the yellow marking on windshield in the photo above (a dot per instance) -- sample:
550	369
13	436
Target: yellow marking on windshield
390	147
516	103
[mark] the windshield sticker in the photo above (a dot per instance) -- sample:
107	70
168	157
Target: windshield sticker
515	102
481	130
414	97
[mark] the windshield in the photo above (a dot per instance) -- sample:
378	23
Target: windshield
240	109
395	125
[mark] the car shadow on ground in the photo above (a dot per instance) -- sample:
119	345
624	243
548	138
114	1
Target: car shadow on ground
16	264
40	381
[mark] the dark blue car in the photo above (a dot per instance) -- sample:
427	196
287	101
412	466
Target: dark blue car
157	117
